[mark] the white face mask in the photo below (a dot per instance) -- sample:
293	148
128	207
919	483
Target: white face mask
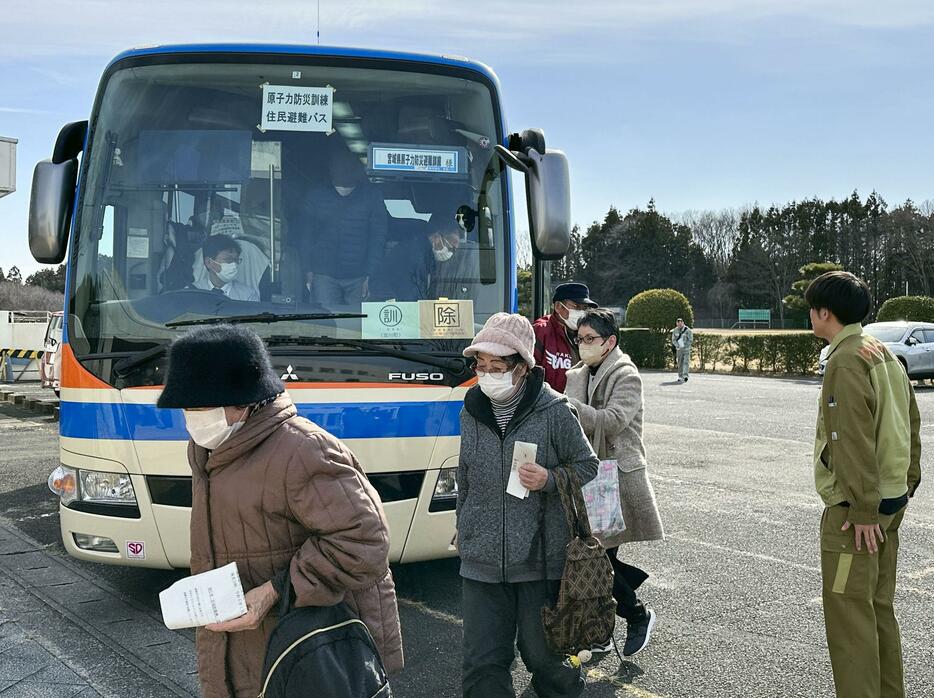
344	191
228	271
497	386
209	428
574	317
592	354
444	254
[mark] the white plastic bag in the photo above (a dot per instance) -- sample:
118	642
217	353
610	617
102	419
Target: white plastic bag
601	495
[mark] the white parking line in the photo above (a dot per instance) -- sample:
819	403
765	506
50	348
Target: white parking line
431	612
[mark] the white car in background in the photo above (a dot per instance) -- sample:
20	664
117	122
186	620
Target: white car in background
822	360
50	369
911	342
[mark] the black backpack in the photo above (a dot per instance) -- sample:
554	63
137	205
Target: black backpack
325	651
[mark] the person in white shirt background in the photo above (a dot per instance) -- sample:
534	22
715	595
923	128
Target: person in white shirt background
221	255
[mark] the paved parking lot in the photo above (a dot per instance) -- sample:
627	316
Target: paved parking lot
736	585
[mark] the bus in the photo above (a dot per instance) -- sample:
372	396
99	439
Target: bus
350	206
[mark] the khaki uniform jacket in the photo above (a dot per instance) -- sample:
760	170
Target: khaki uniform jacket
283	493
868	445
610	406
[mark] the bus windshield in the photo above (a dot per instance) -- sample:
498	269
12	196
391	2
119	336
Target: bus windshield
364	194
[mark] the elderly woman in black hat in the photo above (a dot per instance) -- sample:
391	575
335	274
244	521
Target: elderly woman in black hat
278	495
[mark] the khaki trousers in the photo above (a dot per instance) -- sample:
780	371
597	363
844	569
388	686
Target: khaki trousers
859	612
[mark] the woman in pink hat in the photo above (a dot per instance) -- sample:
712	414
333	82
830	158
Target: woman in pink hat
512	547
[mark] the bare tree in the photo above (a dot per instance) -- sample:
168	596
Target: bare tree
716	233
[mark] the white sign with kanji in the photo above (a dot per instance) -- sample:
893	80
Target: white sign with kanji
291	108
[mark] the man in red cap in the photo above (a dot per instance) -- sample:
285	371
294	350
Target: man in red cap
555	350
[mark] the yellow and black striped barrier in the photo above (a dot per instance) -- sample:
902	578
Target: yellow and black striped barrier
23	357
21	354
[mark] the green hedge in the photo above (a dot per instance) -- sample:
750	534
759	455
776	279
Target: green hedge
911	308
780	353
658	309
647	348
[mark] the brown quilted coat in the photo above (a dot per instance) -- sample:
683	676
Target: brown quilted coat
282	492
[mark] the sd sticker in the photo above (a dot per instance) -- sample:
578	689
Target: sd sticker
135	550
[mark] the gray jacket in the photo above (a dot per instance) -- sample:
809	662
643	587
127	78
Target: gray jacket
610	405
687	334
500	537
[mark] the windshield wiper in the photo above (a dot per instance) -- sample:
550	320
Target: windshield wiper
127	364
456	366
264	318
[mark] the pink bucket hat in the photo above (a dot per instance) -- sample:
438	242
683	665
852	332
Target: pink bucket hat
505	334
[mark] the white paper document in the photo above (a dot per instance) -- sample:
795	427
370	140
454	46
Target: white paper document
202	599
522	452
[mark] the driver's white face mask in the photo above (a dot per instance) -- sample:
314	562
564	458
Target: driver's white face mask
209	428
228	271
344	191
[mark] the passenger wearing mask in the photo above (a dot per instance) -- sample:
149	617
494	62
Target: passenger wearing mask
279	496
412	268
347	234
555	350
221	256
606	390
512	549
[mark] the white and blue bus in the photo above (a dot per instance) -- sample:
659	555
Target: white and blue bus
365	291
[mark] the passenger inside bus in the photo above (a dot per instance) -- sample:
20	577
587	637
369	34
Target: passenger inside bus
345	236
222	261
414	265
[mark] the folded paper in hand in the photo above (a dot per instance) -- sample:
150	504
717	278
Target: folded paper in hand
202	599
522	452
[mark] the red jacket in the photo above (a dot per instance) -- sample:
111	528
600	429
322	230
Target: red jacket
554	350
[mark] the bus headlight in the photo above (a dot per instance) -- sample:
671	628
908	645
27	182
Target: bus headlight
106	488
64	482
445	495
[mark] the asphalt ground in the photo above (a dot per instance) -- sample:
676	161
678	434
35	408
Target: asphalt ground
736	585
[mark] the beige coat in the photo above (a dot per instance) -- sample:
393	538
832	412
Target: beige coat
610	406
283	493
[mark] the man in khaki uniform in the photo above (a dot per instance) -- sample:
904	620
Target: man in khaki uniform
867	464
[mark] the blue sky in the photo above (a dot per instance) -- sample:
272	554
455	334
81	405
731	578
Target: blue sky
701	104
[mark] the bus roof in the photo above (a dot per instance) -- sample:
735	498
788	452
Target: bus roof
308	50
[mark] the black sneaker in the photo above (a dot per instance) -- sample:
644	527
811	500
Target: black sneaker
638	633
685	379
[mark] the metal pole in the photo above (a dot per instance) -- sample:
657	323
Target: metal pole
538	288
272	224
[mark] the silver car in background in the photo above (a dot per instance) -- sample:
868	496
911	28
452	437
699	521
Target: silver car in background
911	342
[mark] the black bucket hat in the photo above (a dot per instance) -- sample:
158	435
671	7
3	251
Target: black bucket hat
219	366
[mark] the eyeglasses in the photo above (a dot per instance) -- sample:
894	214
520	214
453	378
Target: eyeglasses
589	339
491	371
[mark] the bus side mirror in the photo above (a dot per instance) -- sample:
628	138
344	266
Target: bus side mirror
548	193
53	194
50	208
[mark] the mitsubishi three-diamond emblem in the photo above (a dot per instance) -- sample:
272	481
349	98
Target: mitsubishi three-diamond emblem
289	374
